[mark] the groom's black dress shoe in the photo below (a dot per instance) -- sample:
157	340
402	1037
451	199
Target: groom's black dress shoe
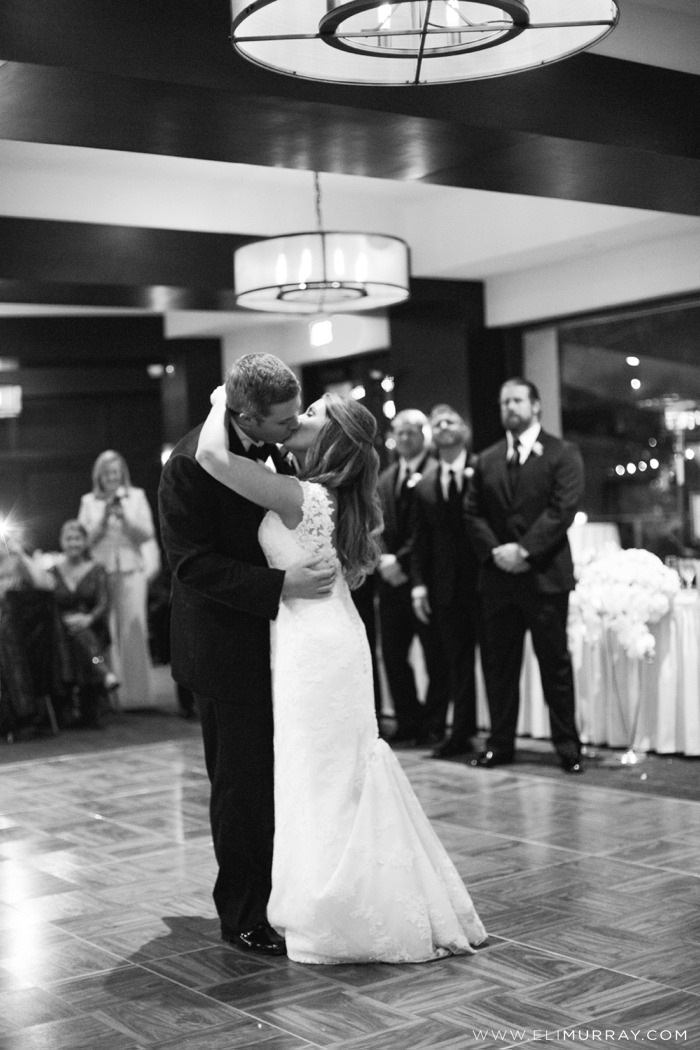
260	938
570	764
489	759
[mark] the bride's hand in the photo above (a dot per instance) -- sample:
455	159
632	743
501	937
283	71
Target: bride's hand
219	394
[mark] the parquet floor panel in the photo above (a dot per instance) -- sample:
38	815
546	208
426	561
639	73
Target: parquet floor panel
109	939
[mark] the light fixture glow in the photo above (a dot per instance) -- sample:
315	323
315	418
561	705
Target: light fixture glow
321	332
10	401
415	41
619	469
358	392
633	361
635	384
389	409
653	463
631	469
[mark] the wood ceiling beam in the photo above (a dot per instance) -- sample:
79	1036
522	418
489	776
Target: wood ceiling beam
69	107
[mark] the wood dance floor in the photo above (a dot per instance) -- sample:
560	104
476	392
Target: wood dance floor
109	941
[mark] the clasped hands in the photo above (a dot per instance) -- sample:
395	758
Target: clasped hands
511	557
77	621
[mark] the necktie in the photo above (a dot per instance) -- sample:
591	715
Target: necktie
453	489
514	465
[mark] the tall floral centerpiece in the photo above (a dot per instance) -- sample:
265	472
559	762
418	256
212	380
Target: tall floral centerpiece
625	591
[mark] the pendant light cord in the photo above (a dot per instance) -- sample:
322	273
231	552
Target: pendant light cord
317	196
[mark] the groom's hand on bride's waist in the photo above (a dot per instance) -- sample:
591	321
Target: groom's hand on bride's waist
310	579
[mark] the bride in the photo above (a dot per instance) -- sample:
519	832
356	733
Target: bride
358	873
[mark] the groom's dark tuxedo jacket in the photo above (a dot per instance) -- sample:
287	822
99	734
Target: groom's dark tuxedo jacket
535	512
223	593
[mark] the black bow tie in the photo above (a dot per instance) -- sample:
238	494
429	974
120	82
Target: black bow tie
261	452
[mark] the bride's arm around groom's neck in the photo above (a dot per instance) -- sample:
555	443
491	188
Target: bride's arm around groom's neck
250	479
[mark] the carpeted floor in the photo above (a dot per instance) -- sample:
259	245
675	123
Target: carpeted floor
668	776
155	724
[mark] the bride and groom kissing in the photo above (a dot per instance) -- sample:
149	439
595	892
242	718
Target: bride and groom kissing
323	850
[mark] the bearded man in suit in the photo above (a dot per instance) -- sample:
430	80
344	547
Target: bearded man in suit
398	623
526	490
444	573
223	599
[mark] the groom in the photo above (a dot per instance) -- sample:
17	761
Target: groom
223	599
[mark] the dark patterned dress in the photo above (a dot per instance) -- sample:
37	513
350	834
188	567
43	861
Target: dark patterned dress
83	654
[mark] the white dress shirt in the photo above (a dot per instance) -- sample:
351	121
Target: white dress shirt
526	441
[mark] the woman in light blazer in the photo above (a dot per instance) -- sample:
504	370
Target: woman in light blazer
119	522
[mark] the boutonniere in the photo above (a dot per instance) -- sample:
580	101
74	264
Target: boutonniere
469	472
413	480
537	449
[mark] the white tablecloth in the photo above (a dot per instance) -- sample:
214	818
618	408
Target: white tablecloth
651	705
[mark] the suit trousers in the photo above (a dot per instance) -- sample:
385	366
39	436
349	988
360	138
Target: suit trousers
507	615
238	752
399	626
456	632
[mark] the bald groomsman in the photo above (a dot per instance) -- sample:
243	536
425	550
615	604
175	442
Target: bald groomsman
398	623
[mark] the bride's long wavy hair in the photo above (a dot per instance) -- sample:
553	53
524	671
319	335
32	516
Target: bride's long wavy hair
343	458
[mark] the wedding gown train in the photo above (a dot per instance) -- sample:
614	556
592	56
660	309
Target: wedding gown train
358	873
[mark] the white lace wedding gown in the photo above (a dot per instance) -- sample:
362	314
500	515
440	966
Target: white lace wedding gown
358	873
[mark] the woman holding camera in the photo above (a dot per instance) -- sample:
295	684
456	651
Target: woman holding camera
118	521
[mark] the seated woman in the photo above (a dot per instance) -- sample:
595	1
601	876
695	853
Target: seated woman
80	590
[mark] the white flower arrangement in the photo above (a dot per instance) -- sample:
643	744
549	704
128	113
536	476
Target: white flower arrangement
413	480
537	449
625	591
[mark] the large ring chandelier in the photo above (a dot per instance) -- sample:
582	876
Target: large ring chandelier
415	41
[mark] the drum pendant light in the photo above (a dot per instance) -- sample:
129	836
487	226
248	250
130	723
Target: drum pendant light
322	271
415	41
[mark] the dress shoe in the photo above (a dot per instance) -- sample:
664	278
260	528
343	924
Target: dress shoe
570	764
489	759
452	749
260	938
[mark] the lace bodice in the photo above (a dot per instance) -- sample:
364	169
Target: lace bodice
312	536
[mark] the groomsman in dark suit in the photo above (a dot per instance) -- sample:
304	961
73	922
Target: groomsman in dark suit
398	624
444	573
525	494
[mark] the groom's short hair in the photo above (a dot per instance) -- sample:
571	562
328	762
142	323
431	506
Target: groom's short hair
257	382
